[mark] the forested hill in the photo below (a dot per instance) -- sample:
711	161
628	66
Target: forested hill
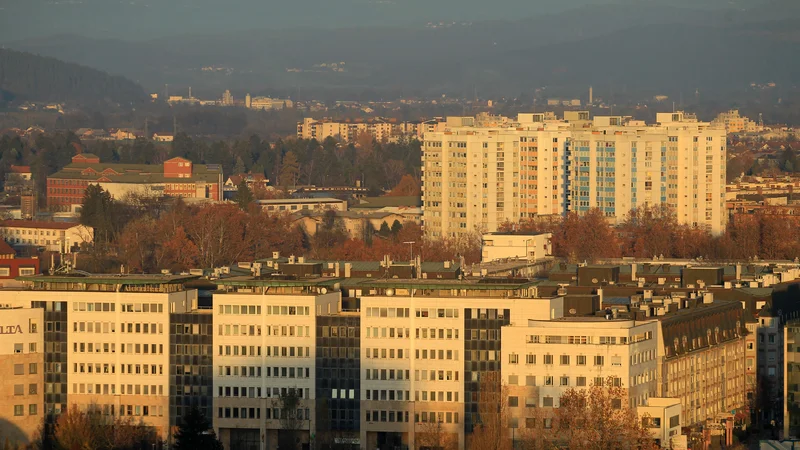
29	77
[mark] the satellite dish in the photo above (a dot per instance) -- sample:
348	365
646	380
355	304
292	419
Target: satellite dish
323	291
389	292
573	311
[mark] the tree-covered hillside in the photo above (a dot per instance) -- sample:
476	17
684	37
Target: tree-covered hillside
28	77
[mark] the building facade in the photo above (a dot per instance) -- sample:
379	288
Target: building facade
177	177
105	343
52	236
475	178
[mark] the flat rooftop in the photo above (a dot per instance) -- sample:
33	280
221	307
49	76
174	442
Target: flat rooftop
283	201
109	279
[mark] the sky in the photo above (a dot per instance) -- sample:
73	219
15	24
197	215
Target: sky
148	19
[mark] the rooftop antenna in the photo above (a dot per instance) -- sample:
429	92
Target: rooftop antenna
146	133
673	106
190	92
166	92
174	125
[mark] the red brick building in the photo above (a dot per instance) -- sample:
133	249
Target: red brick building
177	177
12	267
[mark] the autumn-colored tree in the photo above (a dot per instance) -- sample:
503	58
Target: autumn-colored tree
431	435
219	232
599	418
365	145
92	430
650	231
491	429
407	187
137	245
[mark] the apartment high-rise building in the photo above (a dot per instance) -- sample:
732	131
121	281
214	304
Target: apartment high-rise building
475	178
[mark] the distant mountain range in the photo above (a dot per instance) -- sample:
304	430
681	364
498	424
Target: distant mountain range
640	46
144	19
28	77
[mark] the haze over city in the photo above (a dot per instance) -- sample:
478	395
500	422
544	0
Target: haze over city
399	224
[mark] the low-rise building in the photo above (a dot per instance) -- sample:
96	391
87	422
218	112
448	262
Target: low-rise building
11	266
62	237
177	177
163	137
501	246
300	204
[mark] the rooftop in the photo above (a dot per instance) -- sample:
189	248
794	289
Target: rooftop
40	224
107	279
283	201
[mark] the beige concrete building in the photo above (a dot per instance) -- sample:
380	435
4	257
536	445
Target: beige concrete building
115	355
379	129
420	361
265	346
291	205
22	370
475	178
500	246
702	360
53	236
736	123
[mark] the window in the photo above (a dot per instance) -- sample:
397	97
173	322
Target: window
548	381
564	360
530	359
580	381
564	381
19	369
513	402
547	401
33	409
580	360
19	389
616	403
548	359
598	360
32	368
674	421
513	380
530	380
513	358
19	410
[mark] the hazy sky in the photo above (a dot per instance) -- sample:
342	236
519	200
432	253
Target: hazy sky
144	19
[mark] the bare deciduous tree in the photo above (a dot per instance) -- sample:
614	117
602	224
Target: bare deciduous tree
491	429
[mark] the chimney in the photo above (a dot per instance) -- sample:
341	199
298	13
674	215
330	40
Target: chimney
301	260
708	298
336	269
447	264
633	272
600	294
276	255
738	271
347	268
